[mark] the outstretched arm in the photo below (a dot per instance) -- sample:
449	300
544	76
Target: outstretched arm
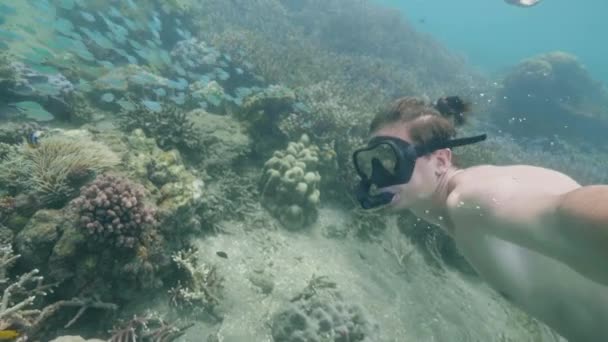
582	219
571	228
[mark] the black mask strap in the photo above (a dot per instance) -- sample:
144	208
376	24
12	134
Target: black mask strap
425	149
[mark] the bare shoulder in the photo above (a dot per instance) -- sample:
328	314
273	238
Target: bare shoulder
487	182
515	193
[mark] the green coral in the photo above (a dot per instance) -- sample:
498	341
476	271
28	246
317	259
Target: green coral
53	170
290	184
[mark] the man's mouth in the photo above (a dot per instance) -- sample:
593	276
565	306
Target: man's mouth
395	199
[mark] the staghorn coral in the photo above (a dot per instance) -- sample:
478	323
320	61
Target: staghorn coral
202	286
113	211
19	307
54	169
289	186
149	327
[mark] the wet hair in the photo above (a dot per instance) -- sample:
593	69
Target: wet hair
427	122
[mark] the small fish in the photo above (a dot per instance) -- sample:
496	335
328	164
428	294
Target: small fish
33	139
8	334
222	254
523	3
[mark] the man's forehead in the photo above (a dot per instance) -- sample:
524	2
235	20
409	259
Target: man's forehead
397	130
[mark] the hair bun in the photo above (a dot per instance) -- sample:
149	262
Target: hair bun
453	106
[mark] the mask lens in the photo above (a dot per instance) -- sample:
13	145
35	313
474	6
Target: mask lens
378	160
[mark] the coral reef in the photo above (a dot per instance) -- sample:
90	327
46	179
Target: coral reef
36	240
320	313
223	140
552	94
20	309
322	114
208	95
437	247
180	190
169	126
7	72
295	45
200	291
113	211
21	83
149	327
15	133
263	111
135	79
270	102
52	171
289	186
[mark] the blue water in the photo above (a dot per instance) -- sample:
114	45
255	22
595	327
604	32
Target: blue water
494	35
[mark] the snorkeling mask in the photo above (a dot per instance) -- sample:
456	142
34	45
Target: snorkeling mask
388	161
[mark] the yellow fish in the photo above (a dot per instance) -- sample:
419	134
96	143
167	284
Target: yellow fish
8	334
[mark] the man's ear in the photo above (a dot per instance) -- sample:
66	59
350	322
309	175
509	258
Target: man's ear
443	160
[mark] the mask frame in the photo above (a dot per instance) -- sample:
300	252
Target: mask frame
405	157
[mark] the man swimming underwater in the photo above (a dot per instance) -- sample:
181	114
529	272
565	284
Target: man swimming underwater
534	234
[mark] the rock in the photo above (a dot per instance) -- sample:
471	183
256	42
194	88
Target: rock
36	240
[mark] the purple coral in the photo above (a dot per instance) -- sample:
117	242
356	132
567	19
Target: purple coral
112	209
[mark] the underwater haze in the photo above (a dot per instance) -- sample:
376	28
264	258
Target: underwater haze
181	170
493	36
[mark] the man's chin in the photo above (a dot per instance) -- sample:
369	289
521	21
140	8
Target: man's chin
396	204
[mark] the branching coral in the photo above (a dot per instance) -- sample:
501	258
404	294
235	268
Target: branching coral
150	327
170	126
202	287
324	114
113	211
19	296
54	169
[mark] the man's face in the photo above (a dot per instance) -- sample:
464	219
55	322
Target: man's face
425	177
